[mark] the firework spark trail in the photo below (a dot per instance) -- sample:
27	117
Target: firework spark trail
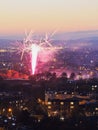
34	55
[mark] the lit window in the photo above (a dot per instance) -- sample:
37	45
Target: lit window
21	101
49	107
49	115
5	121
55	92
13	124
39	100
10	110
96	108
16	101
93	113
62	118
71	107
62	103
49	103
71	103
25	108
9	118
21	107
3	109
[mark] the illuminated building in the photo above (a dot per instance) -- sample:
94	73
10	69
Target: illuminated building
63	105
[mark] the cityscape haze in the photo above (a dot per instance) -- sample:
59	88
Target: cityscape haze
48	64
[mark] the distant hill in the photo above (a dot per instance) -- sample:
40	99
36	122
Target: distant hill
91	42
6	43
85	42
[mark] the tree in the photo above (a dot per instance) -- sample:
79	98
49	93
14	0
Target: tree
64	75
72	76
1	78
48	75
32	78
53	77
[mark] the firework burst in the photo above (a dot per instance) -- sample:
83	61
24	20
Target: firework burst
37	48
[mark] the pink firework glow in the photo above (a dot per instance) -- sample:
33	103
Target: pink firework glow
42	49
34	54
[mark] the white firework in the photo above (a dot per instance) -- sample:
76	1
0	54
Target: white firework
44	44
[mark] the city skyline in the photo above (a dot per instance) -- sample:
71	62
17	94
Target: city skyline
48	64
47	16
